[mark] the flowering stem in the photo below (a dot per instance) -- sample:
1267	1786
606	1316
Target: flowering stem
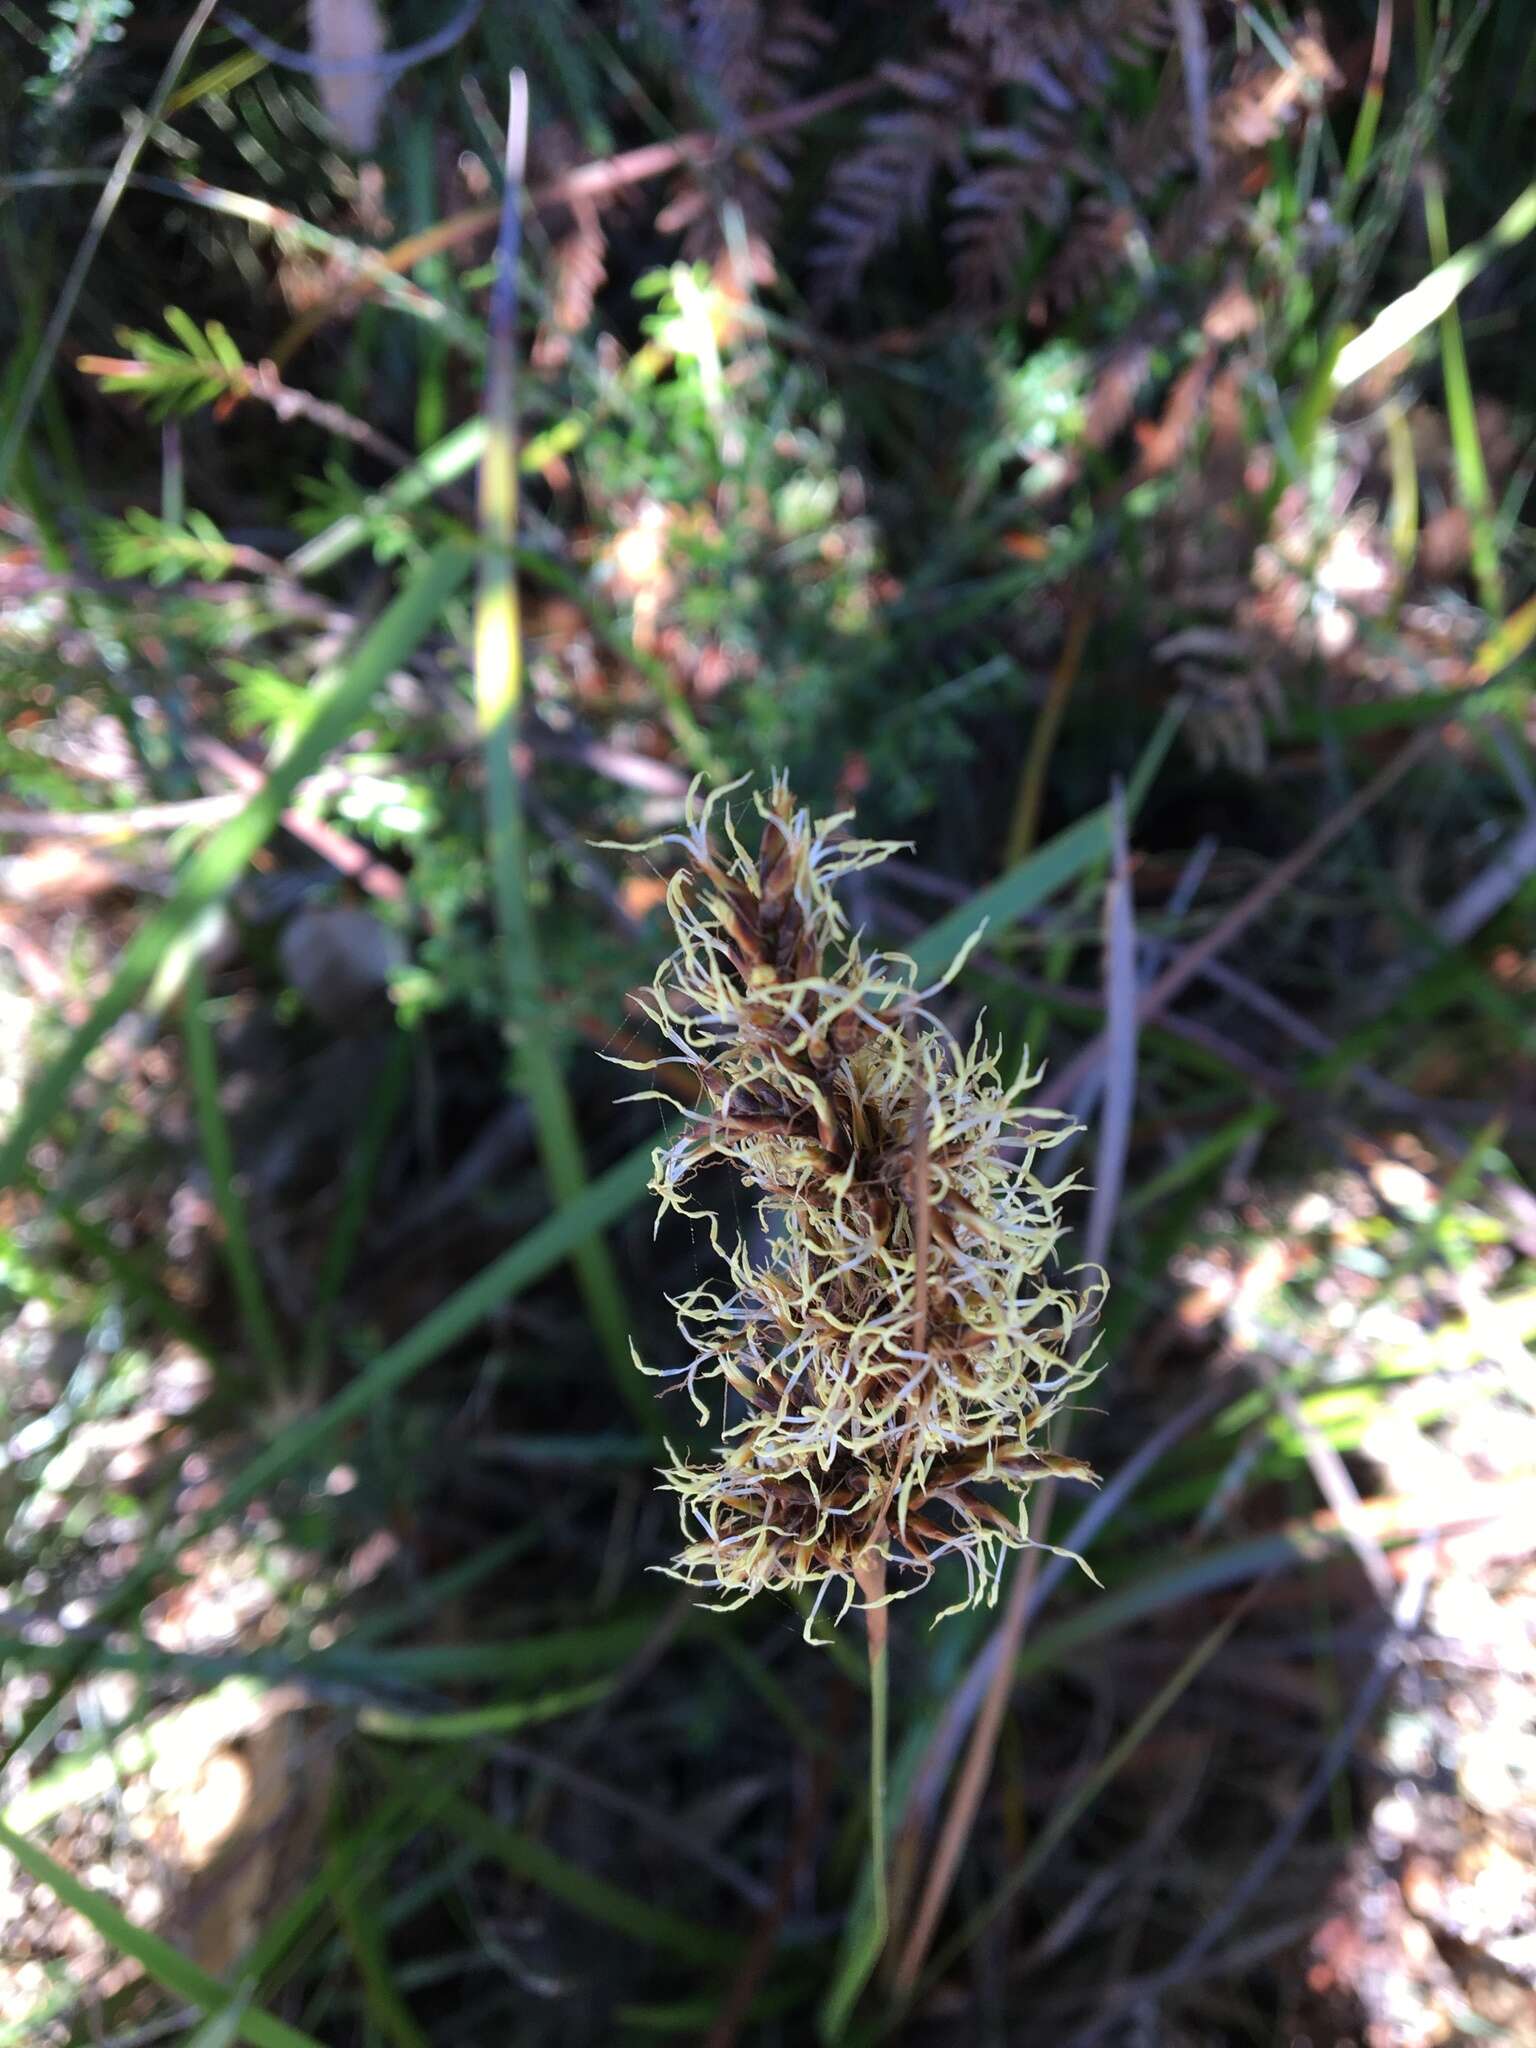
871	1580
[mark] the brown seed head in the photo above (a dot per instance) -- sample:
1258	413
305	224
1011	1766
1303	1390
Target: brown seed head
892	1349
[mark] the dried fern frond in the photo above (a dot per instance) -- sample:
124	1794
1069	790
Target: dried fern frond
1020	109
578	269
887	183
900	1341
743	58
1003	109
576	266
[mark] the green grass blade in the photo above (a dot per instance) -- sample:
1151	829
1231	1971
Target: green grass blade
221	2029
414	1798
128	1273
543	1248
498	703
1015	894
219	1158
1157	1592
452	457
600	1647
334	710
1434	296
167	1966
1050	867
353	1893
1473	487
477	1723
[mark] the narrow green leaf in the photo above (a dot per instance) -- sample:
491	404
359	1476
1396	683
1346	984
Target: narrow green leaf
1433	296
220	2029
1050	867
499	675
1473	486
414	1797
188	332
169	1968
1015	894
476	1723
454	456
357	1189
353	1892
1158	1591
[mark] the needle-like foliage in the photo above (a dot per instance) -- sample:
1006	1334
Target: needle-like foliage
896	1338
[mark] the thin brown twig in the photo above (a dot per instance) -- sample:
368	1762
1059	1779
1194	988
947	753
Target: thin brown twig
376	877
588	182
734	2013
1024	825
263	381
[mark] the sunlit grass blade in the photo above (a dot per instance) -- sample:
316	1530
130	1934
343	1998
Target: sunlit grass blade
1434	297
498	704
506	1717
167	1966
334	711
219	1159
1472	483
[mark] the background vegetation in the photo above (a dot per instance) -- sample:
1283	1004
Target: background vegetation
1010	417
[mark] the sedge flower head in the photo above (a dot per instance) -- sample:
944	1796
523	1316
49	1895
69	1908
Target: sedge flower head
895	1335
